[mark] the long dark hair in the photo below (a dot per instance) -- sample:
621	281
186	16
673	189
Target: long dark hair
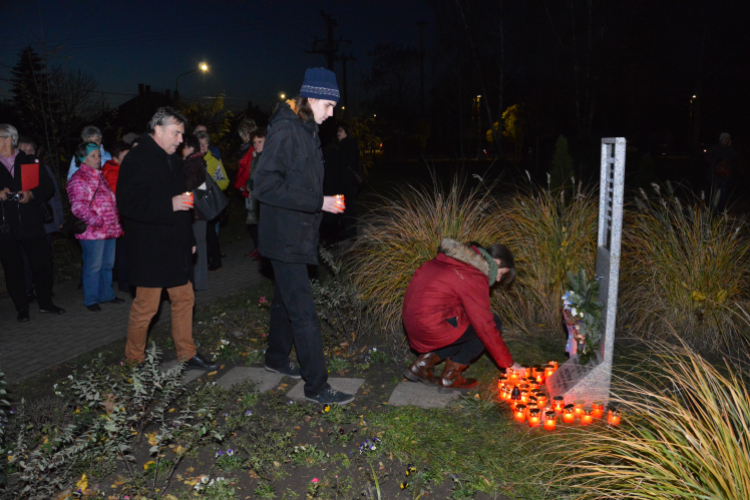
303	109
504	255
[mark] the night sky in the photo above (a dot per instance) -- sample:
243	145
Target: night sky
255	49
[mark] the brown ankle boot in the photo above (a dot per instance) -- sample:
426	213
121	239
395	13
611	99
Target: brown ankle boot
452	379
421	369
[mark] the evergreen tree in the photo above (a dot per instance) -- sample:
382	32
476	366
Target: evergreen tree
562	166
30	89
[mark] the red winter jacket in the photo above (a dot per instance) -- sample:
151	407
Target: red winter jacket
454	284
243	174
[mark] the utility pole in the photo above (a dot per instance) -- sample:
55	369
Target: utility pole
344	58
329	47
421	24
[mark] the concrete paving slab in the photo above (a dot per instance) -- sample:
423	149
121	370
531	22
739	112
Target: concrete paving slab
421	395
263	380
348	385
190	375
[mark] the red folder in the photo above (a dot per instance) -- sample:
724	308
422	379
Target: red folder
29	176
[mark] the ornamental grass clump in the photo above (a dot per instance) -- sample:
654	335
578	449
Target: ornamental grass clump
550	234
405	231
685	434
685	269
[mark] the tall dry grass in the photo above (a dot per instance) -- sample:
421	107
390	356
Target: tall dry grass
405	231
550	234
685	268
686	434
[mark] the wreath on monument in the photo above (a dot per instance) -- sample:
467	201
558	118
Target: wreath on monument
583	315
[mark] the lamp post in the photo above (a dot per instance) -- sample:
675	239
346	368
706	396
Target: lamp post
203	67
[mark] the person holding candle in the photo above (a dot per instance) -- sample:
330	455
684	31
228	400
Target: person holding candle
447	313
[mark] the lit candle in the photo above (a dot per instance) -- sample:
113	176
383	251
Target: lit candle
578	404
550	420
519	415
586	418
597	409
554	365
540	378
504	393
558	402
548	371
524	397
613	417
541	400
568	415
535	417
526	371
512	375
533	401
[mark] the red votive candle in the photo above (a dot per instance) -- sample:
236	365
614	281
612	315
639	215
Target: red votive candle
568	415
558	403
597	409
550	420
519	414
613	417
535	417
586	418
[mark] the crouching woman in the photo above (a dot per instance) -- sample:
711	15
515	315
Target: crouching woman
447	313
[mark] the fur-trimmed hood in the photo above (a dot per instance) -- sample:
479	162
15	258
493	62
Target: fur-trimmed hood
465	254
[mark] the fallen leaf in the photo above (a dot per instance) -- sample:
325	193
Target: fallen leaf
211	374
252	474
221	367
276	464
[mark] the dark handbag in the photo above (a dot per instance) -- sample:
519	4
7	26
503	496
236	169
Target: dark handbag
211	201
75	225
47	215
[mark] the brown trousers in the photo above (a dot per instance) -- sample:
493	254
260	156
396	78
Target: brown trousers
144	308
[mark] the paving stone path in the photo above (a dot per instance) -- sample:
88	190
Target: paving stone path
46	341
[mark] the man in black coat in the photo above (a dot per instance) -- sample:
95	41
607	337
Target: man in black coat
22	227
158	237
289	185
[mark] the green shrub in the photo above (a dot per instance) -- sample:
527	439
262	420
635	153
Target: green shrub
404	232
549	235
685	434
685	269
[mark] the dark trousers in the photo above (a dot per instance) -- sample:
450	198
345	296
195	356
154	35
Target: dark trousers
253	228
212	243
28	275
40	259
121	267
294	321
468	347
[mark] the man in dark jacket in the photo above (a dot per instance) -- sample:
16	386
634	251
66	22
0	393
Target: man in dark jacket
22	227
158	236
289	186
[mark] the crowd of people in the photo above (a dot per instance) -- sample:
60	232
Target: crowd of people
134	209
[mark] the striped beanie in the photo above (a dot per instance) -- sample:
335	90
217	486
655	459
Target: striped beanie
320	83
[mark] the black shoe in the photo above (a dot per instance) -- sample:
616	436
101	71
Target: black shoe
23	316
330	396
94	308
197	362
52	309
116	300
290	369
214	268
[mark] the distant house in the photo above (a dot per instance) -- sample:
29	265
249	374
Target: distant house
134	115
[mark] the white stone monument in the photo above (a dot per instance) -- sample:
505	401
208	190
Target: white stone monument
591	382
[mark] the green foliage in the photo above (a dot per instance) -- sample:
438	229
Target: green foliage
404	232
368	141
581	304
549	234
216	489
337	364
685	269
562	175
470	441
684	434
308	456
344	316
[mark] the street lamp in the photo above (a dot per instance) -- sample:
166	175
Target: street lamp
201	67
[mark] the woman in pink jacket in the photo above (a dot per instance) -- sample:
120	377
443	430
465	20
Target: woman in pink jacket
92	200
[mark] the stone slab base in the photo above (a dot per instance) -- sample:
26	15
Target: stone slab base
190	375
263	380
421	395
